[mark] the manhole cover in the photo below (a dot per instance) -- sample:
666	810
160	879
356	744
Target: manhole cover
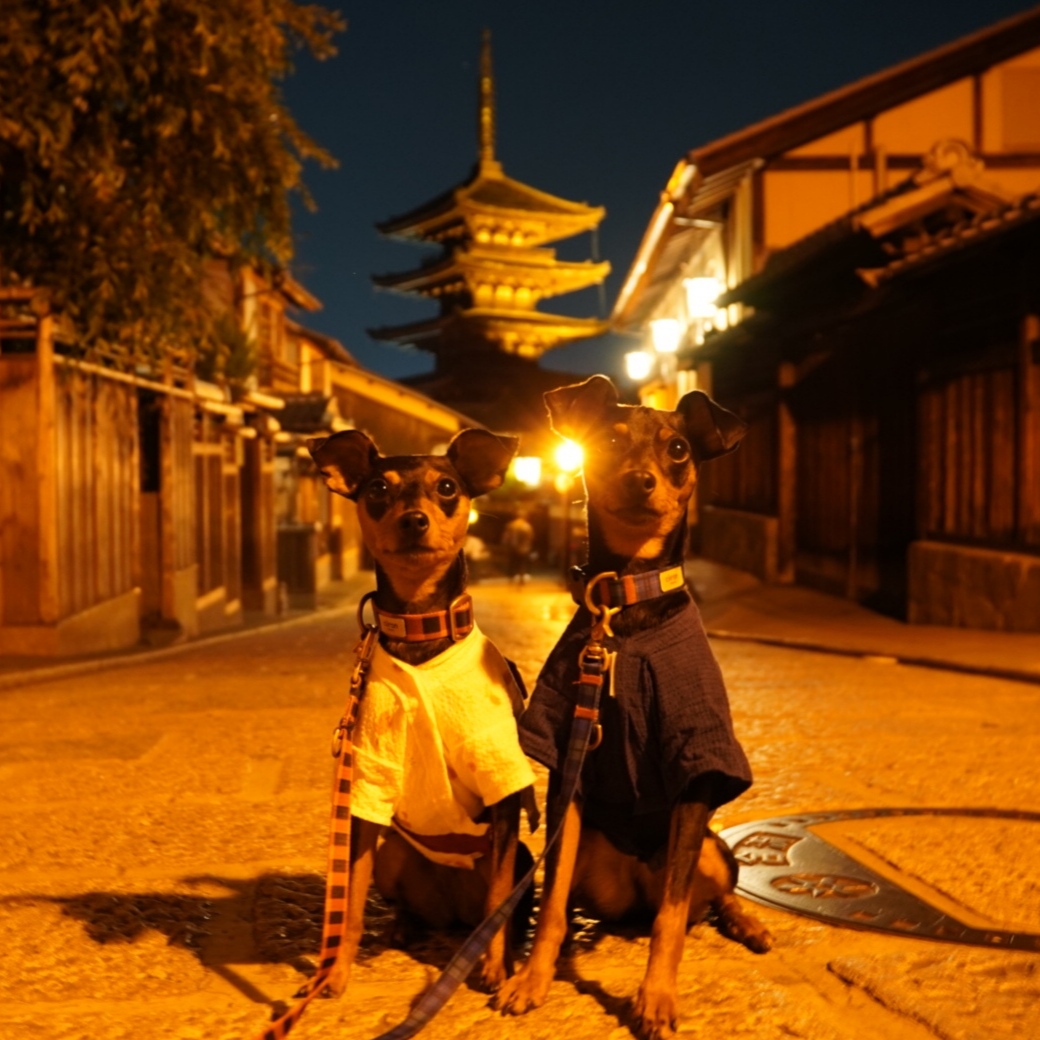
783	864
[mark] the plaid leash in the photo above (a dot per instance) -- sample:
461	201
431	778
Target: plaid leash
593	665
337	884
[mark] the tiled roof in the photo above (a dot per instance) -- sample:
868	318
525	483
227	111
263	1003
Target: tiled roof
307	413
980	227
826	114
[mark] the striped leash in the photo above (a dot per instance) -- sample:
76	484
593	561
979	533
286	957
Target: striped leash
584	736
337	884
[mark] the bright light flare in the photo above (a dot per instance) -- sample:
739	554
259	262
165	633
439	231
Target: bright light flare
666	335
701	294
639	364
528	470
474	516
569	457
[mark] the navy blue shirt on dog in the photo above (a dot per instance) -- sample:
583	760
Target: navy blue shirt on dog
666	721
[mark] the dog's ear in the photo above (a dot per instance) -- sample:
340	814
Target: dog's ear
481	459
574	410
345	459
711	429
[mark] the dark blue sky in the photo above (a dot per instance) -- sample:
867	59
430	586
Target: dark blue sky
597	101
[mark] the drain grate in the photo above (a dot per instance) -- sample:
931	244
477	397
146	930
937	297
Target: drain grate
783	864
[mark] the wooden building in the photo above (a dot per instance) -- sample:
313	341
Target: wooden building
875	259
165	507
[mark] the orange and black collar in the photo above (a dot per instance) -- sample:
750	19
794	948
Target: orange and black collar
613	590
455	623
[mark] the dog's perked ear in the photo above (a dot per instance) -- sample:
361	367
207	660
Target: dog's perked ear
481	459
711	429
575	409
345	459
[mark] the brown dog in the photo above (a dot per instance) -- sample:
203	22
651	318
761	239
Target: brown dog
438	767
637	838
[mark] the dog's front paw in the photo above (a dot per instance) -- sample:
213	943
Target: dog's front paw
737	924
526	990
336	983
492	975
656	1013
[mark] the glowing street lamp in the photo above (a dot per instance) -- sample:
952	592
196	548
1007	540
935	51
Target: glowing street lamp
569	456
666	335
527	469
701	294
639	364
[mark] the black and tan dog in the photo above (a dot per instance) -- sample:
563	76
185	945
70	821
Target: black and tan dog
637	838
438	767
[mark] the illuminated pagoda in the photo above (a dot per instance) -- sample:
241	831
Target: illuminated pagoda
492	272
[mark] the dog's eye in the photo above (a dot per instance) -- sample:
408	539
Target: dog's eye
447	488
678	450
377	488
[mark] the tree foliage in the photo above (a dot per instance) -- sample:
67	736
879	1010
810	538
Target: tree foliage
139	139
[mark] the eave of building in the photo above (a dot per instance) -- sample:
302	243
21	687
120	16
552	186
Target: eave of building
694	185
400	398
856	237
331	348
536	269
655	265
489	194
492	324
970	55
966	234
295	293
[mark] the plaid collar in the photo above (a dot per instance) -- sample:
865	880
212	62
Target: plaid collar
612	590
455	623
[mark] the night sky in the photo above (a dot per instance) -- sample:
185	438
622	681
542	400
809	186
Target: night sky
597	101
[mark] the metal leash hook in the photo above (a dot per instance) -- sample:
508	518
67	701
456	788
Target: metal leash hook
594	653
601	613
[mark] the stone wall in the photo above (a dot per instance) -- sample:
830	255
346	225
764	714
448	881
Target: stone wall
973	588
747	541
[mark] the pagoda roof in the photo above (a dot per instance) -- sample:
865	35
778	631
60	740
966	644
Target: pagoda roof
485	325
490	191
534	265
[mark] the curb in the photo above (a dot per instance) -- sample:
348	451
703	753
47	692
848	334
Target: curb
64	671
793	643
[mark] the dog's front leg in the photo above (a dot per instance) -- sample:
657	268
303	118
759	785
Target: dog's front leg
363	838
656	1003
529	987
497	963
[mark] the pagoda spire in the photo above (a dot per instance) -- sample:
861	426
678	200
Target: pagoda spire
494	269
486	115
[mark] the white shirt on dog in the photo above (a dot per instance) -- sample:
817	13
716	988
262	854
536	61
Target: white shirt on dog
436	743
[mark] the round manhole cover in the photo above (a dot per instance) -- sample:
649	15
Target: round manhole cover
784	864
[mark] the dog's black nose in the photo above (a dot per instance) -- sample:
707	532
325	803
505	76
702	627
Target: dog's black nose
414	522
639	481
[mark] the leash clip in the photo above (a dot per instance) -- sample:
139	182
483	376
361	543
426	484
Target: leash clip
602	613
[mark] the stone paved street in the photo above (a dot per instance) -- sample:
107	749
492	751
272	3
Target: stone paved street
163	832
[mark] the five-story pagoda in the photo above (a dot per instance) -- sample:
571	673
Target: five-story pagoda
488	280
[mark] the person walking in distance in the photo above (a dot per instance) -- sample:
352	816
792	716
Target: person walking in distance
518	538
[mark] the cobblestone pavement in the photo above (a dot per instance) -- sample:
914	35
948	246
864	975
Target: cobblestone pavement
163	829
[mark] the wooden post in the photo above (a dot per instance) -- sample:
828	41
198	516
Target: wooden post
46	442
855	480
1028	519
786	475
